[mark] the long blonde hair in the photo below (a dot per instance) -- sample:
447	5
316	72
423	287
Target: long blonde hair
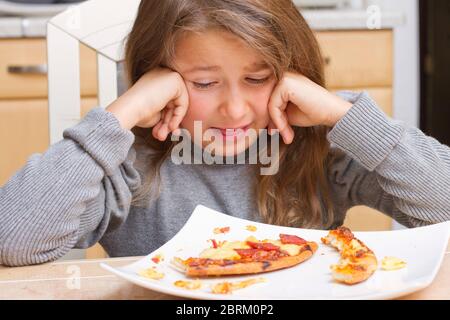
277	30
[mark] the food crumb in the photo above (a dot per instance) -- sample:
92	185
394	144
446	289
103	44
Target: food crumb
221	230
251	228
392	263
158	258
228	287
151	273
216	244
189	285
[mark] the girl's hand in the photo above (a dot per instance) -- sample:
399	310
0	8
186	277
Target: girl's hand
298	101
159	99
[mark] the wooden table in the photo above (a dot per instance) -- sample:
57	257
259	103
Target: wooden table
85	279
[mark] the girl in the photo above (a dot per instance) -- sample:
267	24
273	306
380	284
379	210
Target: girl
231	64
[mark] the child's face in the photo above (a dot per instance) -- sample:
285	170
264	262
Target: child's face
229	87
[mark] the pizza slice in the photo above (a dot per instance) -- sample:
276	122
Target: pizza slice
357	261
248	257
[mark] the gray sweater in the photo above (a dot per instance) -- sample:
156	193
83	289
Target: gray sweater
79	192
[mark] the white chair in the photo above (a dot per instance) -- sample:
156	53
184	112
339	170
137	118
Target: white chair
101	25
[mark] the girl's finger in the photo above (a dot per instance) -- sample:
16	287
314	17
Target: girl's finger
180	109
158	129
155	130
177	116
163	132
167	115
176	132
277	107
164	128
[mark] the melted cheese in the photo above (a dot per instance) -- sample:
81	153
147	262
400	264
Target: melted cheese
220	253
392	263
355	244
151	273
235	245
226	250
291	249
274	242
336	243
189	285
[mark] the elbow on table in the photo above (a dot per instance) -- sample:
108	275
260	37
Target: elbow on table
18	253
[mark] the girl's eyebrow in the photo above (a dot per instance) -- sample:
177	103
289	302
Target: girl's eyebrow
257	66
202	68
254	67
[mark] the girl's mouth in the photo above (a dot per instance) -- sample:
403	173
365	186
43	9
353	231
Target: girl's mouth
233	133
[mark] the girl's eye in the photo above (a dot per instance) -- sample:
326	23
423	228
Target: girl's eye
203	85
258	81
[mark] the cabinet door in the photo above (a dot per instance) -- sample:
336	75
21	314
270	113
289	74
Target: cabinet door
24	131
361	58
382	96
23	64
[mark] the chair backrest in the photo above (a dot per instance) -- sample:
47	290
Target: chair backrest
101	25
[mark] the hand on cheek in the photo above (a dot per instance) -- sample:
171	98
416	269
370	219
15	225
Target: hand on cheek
298	101
159	99
169	121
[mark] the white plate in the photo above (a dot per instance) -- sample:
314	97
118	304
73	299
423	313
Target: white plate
422	248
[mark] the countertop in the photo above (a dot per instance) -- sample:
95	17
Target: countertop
322	19
58	280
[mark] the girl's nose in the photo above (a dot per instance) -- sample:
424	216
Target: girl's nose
235	106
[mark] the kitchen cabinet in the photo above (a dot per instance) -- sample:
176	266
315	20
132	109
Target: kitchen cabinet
361	60
357	59
23	99
23	64
24	131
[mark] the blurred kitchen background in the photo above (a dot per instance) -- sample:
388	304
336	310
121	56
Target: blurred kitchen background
399	51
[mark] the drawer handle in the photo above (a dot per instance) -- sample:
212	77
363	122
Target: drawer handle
37	69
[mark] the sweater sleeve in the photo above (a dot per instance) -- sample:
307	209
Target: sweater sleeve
70	195
386	165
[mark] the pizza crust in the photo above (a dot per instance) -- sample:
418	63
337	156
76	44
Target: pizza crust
357	262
